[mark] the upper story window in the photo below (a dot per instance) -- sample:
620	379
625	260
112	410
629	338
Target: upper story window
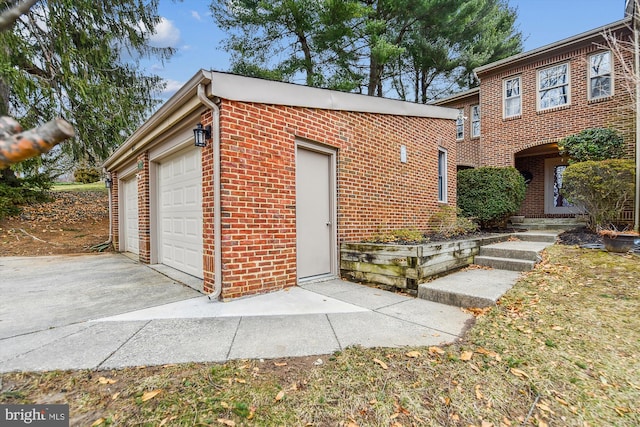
475	121
553	86
512	97
460	125
600	83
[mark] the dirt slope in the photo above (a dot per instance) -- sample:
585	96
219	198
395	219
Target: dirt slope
71	223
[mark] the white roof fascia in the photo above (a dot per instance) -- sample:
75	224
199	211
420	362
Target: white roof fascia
562	43
249	89
457	96
183	102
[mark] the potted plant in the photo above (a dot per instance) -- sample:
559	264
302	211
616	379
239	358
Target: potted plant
619	241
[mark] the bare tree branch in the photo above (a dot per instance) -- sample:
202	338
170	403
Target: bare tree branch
11	15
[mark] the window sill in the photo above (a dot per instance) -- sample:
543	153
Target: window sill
553	109
601	99
507	119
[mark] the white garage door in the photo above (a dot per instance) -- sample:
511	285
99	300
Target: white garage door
130	193
180	212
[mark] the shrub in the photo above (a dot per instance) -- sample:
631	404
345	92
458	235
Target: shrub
403	235
490	195
449	222
592	144
601	188
87	175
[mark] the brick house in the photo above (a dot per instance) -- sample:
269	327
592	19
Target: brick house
526	103
287	174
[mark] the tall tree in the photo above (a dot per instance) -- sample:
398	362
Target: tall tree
79	59
372	46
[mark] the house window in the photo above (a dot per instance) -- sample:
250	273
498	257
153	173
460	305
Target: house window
442	175
553	87
475	121
460	125
600	75
512	97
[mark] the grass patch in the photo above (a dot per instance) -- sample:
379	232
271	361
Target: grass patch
553	352
74	186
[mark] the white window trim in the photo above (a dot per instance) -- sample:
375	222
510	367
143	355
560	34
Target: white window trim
504	97
611	76
568	103
444	182
460	122
473	134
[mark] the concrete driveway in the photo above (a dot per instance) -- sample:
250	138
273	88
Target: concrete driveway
107	311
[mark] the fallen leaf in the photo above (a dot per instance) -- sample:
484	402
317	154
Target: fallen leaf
115	396
544	407
478	392
455	417
413	354
436	350
562	401
97	422
226	422
381	363
519	373
557	328
465	356
225	405
241	381
280	364
486	352
151	394
486	424
506	421
280	395
103	380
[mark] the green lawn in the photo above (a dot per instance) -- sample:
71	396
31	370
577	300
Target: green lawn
74	186
562	348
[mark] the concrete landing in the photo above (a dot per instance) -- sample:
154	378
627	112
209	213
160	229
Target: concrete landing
469	288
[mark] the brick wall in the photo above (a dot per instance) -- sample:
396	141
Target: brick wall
115	216
376	192
468	148
502	138
208	203
144	222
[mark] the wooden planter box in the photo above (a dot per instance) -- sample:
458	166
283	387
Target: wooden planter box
404	267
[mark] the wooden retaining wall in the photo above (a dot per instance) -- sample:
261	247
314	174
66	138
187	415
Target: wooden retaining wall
404	267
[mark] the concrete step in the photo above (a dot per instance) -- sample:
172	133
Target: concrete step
505	263
469	288
548	236
549	224
515	249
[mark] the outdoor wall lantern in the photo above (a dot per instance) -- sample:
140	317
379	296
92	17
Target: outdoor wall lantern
108	182
201	134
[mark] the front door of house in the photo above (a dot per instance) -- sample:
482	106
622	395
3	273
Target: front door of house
554	200
314	212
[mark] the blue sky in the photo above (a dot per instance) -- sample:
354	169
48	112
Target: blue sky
189	27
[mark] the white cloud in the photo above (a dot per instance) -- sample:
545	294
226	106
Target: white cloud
196	15
166	34
171	87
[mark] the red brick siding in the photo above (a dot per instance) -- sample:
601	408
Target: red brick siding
144	221
468	149
503	138
115	216
208	203
375	191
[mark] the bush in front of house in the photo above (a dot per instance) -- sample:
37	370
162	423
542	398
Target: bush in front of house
448	221
602	188
86	175
592	144
490	195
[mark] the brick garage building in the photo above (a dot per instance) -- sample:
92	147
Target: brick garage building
526	103
288	173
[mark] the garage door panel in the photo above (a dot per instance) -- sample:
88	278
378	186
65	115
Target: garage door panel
130	190
180	213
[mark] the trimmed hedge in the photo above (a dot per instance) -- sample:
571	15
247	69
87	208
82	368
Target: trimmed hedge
490	195
592	144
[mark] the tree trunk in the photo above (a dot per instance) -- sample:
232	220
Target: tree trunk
16	147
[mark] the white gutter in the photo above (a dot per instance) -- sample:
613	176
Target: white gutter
217	220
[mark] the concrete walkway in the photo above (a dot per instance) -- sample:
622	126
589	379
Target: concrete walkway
107	311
